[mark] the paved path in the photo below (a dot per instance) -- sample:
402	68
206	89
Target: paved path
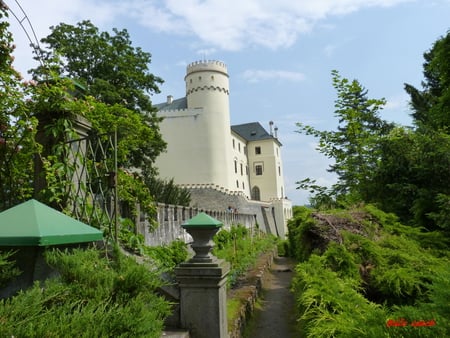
276	317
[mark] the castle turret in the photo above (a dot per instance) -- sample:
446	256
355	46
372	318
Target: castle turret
207	87
199	133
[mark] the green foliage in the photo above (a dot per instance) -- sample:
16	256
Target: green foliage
241	249
94	296
354	288
283	248
403	170
166	191
8	269
338	259
354	146
431	105
129	238
413	176
168	256
133	191
301	241
114	73
17	127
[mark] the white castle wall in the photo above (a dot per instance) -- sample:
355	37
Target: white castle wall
241	171
270	157
200	136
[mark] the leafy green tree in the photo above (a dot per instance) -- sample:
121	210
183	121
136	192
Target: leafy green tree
17	128
432	104
114	73
413	176
413	173
354	145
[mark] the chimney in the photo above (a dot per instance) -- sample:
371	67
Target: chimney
169	99
276	132
270	127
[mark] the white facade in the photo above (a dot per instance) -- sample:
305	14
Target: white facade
202	147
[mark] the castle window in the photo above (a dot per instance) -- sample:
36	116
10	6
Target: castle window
199	78
279	171
235	166
246	170
257	150
243	185
256	194
239	147
212	77
242	170
233	143
258	169
237	183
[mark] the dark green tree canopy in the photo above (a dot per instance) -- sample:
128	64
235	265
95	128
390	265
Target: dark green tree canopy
430	106
114	73
111	68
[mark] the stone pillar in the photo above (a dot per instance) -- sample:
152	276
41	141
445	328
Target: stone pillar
82	127
202	282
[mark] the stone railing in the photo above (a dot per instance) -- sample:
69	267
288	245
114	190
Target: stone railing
170	218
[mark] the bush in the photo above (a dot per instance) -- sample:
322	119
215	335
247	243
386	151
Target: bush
355	288
94	296
240	249
8	269
167	257
301	241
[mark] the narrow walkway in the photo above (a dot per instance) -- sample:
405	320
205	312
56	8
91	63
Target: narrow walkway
276	317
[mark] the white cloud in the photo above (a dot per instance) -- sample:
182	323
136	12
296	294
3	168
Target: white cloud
399	102
224	25
264	75
233	25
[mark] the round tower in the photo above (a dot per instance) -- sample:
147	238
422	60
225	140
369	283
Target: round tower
207	85
207	88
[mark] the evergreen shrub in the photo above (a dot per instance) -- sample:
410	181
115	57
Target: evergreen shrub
95	295
370	280
241	249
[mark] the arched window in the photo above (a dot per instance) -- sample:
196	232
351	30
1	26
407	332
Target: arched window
256	194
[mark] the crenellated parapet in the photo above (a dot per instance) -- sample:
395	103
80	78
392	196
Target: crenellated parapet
207	65
213	88
174	113
214	187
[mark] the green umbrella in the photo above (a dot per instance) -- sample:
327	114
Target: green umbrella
35	224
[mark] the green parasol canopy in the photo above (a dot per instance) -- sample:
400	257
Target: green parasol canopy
35	224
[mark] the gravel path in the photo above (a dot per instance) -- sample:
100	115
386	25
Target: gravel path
276	317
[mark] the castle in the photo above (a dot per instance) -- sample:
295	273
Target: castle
223	166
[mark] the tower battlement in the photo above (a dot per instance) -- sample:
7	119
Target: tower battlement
206	65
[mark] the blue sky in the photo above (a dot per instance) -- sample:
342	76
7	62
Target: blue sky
279	54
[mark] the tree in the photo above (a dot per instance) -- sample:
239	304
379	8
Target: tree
414	170
353	146
114	73
166	191
431	105
17	127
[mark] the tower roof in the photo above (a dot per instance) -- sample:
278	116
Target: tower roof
252	131
173	105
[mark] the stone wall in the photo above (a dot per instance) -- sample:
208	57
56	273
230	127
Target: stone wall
170	218
216	203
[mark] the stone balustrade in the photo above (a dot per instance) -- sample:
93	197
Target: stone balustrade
170	217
